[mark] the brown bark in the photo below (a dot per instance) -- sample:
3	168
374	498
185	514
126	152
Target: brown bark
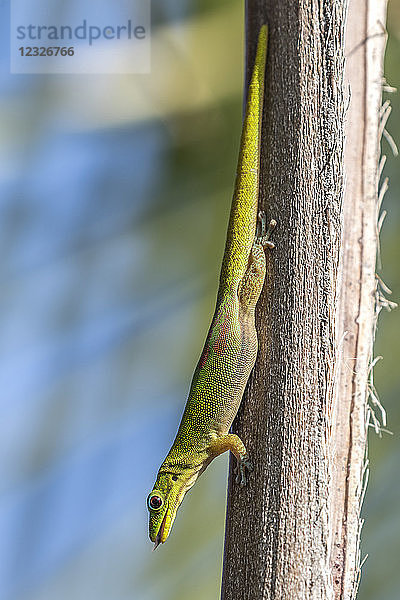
293	532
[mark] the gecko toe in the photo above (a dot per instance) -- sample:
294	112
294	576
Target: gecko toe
243	466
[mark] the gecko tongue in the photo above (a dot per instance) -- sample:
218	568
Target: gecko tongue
157	542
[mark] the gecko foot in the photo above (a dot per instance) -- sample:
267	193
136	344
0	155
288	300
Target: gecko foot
263	234
243	465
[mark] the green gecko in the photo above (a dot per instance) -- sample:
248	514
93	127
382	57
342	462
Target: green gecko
231	346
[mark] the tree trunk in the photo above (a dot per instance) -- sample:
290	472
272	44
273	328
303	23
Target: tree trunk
293	532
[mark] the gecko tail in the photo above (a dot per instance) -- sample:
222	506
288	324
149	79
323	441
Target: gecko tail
244	210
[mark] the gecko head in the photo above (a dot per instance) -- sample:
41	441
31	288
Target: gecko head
164	501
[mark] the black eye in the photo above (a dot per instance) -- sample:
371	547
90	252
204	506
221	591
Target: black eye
174	477
155	502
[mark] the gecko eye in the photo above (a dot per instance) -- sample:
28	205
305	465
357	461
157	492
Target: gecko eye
174	477
154	501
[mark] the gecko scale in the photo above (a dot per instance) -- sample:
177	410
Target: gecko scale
231	346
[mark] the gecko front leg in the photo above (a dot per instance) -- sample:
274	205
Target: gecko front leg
232	442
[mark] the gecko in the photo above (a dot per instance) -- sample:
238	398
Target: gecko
231	346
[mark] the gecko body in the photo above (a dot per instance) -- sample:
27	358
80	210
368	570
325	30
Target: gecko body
231	345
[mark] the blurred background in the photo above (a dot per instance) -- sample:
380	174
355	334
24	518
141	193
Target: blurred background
115	192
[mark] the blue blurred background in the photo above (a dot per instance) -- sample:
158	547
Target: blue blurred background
115	192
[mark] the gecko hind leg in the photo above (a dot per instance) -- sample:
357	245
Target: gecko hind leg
263	234
253	279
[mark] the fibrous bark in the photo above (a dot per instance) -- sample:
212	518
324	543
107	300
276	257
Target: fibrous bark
293	532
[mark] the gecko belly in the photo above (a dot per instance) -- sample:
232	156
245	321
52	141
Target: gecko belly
222	372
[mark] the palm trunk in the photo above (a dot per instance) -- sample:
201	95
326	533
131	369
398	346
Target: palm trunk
293	532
